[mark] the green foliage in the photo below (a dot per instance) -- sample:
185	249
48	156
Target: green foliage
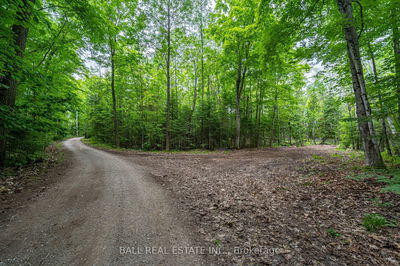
27	139
280	65
390	177
374	221
329	121
47	89
360	176
377	202
356	155
217	242
317	157
337	155
98	144
394	161
395	188
333	233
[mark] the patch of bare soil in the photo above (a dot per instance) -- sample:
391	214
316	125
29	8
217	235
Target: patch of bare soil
278	205
21	185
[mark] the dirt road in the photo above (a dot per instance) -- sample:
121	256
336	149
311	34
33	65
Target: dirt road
290	205
103	203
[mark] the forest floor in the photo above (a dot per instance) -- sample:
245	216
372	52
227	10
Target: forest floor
21	185
287	205
283	205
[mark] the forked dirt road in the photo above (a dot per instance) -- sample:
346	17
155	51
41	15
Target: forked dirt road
103	203
284	202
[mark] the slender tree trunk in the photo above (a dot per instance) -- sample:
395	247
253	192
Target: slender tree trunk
238	81
278	124
168	114
258	96
395	9
240	78
174	90
239	88
380	102
8	83
202	57
114	100
194	97
208	133
274	114
260	101
351	127
49	50
313	132
142	116
372	153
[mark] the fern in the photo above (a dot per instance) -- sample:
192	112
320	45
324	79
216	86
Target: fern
395	188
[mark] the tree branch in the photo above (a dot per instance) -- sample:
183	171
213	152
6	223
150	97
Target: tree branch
52	44
362	18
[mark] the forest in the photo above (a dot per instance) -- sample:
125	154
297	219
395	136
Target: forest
200	132
200	74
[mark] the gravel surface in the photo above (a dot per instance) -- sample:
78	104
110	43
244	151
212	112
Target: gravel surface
271	206
104	206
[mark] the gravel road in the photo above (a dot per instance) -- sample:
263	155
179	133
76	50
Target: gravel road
102	206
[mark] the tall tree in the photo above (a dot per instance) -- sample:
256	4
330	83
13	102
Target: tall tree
372	153
8	80
395	23
114	100
168	73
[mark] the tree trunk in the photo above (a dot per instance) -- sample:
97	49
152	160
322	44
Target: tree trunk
194	97
168	114
372	154
241	75
258	96
275	110
395	9
239	88
114	101
238	82
202	57
313	132
380	102
351	127
8	83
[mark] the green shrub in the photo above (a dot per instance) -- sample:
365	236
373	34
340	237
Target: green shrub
393	160
333	233
337	155
356	155
374	221
317	157
377	202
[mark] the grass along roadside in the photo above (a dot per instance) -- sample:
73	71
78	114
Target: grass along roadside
104	146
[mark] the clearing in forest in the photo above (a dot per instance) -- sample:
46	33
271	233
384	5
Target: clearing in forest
299	204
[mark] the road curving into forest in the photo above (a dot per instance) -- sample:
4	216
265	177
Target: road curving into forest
103	206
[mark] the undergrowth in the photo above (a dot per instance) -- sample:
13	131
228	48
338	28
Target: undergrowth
374	221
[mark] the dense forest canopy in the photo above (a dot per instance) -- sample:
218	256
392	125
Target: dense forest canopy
169	74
